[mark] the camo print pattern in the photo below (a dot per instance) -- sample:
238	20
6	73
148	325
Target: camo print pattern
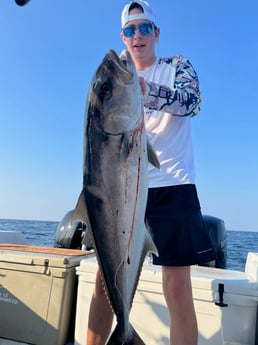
184	98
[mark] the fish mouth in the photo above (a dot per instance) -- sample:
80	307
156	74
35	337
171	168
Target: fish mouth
123	64
124	60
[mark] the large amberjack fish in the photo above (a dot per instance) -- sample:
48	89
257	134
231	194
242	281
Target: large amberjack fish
115	184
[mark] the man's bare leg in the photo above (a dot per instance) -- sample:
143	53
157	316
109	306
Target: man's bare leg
178	295
100	316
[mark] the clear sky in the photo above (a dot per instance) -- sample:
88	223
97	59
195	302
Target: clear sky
49	52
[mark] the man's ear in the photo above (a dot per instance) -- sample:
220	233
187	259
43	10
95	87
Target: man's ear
157	33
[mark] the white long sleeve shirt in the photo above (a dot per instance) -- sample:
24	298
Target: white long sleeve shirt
172	98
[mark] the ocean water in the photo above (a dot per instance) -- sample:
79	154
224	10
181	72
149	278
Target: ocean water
239	243
36	232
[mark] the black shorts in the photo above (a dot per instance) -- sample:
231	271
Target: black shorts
174	219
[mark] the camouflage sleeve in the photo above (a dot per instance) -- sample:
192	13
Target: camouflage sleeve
183	98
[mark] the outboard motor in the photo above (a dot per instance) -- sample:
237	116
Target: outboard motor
21	2
217	231
69	235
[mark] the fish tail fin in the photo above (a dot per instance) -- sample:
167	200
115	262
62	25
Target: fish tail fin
137	340
132	338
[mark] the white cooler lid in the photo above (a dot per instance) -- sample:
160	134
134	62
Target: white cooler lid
203	278
235	282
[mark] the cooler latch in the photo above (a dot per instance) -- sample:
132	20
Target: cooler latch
46	269
221	299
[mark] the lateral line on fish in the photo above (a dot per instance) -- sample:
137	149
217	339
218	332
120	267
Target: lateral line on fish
137	132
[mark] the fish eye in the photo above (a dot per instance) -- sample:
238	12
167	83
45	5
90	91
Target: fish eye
106	91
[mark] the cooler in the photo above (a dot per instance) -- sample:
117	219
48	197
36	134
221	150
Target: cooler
225	303
37	287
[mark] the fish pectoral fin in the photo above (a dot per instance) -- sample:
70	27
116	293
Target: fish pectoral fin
152	157
119	337
126	146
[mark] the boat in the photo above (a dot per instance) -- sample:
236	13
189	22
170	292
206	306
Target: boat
226	301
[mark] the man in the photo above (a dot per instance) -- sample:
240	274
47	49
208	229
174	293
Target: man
171	97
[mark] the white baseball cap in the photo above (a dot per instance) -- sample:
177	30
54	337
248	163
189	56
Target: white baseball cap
147	12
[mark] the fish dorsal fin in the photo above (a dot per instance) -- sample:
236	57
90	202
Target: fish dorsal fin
80	214
152	157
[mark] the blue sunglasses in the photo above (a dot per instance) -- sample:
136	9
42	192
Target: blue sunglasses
144	28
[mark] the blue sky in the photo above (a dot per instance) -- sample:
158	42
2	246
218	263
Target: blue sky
49	52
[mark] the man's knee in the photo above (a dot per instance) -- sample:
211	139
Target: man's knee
176	282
